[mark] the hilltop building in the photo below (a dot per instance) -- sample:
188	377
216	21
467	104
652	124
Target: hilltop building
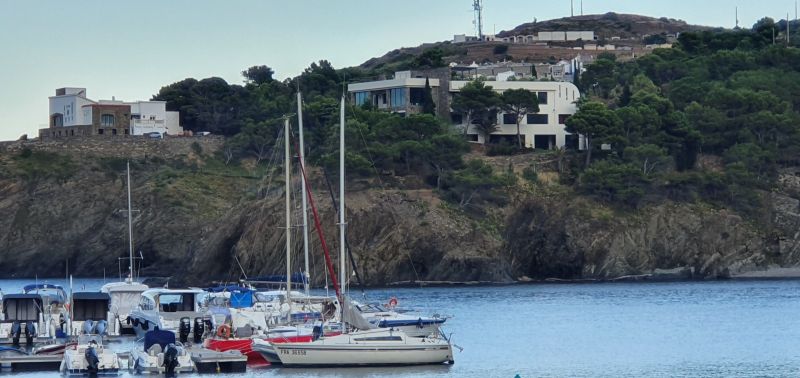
73	114
542	130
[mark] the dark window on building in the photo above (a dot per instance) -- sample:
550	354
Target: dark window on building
509	119
537	119
127	131
100	131
107	120
456	118
544	142
542	97
113	131
562	118
472	137
416	95
136	116
72	132
571	142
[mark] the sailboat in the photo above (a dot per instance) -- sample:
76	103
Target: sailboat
365	346
272	321
124	295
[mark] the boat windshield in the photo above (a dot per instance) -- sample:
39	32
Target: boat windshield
178	302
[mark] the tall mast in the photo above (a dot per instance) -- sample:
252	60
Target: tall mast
342	275
306	274
130	224
288	197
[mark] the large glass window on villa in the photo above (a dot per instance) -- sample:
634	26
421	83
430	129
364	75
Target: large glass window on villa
398	97
362	98
537	119
107	120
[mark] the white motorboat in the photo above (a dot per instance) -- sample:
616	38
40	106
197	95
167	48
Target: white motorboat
414	325
376	347
123	298
90	357
124	294
160	354
23	318
89	314
175	310
54	307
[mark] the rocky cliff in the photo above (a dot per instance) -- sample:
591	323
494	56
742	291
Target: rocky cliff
199	220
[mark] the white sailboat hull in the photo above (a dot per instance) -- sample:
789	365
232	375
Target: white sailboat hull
366	348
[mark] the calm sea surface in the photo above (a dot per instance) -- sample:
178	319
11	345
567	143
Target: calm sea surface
698	329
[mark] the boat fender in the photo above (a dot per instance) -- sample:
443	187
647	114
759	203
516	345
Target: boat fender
128	320
224	331
145	325
135	322
393	302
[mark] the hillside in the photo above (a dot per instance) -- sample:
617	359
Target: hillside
605	26
629	29
198	216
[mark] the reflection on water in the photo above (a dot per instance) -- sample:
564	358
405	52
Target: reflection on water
696	329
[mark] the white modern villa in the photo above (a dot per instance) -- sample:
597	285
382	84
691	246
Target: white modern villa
542	130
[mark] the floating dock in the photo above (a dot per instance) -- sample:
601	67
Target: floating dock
209	361
26	362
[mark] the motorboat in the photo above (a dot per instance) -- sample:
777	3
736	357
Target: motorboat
175	310
124	296
89	314
90	357
23	318
375	347
54	306
160	354
413	325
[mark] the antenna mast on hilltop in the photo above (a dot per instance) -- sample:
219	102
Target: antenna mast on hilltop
571	8
737	18
477	5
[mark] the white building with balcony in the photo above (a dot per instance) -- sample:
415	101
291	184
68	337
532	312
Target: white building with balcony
542	130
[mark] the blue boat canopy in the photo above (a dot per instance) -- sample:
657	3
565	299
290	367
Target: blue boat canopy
159	337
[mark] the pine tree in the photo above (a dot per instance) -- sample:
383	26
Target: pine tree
428	106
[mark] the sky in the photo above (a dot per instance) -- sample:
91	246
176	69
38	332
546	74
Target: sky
130	49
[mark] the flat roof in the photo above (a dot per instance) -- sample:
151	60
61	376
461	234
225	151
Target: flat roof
412	82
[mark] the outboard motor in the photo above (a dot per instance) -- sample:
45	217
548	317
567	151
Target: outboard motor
91	358
16	330
199	328
184	329
171	358
88	327
100	327
30	332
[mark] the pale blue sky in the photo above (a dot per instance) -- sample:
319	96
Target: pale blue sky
130	49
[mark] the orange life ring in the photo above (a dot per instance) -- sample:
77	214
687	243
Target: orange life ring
224	331
393	302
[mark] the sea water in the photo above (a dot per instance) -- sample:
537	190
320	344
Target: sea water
689	329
